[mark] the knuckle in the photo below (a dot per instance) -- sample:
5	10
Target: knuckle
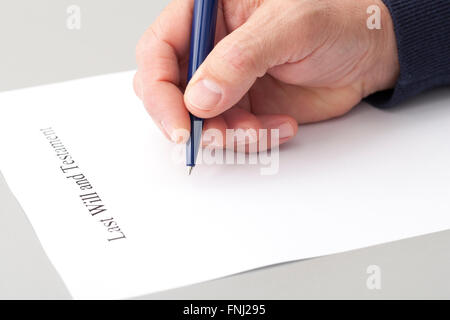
135	82
137	86
318	13
141	47
240	57
146	42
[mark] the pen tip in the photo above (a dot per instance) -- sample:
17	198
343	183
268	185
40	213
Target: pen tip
190	170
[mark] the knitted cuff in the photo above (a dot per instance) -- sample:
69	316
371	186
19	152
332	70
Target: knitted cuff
422	29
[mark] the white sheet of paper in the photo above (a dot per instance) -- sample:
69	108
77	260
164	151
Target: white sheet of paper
370	177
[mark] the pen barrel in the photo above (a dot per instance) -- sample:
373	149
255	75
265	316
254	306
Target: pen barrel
202	42
202	33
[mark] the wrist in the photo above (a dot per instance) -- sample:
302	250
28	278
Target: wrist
384	71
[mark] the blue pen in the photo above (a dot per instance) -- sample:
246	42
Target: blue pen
202	42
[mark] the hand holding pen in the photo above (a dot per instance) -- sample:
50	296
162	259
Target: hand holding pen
276	64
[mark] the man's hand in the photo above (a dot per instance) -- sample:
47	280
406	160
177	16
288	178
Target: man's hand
277	63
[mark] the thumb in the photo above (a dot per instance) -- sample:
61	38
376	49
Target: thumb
232	68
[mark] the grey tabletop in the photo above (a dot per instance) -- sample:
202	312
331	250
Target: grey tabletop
48	41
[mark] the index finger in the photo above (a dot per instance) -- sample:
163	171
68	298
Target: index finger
158	53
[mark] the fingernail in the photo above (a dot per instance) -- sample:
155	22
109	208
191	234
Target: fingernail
286	130
176	135
250	135
214	145
204	95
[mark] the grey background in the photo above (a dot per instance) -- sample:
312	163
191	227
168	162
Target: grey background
37	48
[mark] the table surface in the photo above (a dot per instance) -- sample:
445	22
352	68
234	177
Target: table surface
40	49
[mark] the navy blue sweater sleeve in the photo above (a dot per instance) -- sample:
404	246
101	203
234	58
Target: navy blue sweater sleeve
422	28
